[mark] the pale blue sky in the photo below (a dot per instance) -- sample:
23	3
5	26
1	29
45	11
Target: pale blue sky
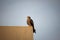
45	14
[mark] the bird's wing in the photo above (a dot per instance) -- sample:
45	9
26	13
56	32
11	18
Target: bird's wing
32	23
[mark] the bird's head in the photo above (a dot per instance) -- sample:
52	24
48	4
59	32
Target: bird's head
28	17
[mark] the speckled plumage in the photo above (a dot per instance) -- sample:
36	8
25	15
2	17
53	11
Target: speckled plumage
31	23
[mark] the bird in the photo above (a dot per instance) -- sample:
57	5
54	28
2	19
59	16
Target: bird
31	23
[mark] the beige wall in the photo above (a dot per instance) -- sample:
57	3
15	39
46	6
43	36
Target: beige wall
16	33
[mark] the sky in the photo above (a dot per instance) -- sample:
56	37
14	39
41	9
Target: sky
45	14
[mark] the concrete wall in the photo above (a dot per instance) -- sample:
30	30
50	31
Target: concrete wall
45	14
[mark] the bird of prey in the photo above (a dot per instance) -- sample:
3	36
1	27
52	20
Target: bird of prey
31	23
